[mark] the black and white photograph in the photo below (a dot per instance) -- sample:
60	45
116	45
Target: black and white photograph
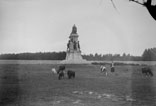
77	52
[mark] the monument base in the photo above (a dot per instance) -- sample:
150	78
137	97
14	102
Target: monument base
74	58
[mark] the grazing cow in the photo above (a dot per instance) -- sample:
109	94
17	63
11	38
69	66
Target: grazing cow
70	74
61	75
61	68
54	71
147	71
61	72
103	69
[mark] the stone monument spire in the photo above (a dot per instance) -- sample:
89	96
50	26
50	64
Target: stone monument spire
73	54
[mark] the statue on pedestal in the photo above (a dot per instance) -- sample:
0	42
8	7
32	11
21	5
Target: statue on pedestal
73	45
73	54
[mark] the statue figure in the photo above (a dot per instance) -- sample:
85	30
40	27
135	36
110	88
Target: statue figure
71	45
68	44
74	30
78	45
74	45
72	40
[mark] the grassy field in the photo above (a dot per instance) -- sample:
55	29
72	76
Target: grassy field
35	85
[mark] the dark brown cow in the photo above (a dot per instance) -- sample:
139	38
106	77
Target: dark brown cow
147	71
61	75
61	72
70	74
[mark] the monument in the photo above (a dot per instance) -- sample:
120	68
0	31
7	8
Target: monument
73	53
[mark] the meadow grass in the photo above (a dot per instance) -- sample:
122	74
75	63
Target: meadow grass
35	85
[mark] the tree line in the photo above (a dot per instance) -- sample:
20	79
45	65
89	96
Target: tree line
111	57
148	55
35	56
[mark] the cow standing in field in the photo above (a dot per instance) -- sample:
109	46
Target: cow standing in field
54	71
147	71
103	69
70	74
61	72
61	75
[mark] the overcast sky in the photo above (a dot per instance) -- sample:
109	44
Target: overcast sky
45	25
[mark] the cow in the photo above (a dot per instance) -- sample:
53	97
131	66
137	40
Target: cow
147	71
103	69
70	74
61	72
61	68
61	75
54	71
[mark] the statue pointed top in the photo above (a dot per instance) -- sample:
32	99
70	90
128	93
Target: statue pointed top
74	30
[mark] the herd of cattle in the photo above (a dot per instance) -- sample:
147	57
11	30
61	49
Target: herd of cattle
146	71
61	72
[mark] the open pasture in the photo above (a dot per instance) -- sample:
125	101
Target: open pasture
35	85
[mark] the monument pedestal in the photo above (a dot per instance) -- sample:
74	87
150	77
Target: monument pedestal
74	58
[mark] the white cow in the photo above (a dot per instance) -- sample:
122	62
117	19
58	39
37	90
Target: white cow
103	69
54	71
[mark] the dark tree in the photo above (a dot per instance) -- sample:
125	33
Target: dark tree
35	56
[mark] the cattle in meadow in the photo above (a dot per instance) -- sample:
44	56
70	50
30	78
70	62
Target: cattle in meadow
54	71
147	71
61	75
61	68
71	74
61	71
104	70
